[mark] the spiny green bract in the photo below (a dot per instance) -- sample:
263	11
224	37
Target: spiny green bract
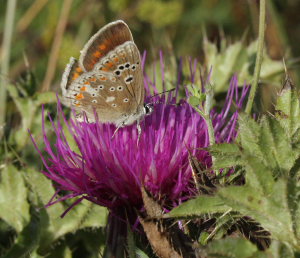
267	154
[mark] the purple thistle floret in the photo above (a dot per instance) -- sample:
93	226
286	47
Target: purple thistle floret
111	171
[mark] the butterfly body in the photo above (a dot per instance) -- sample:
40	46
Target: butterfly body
107	79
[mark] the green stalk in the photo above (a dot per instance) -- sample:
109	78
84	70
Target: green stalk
206	116
4	68
207	109
259	57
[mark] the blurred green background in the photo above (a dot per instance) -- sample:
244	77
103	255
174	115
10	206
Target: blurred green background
46	33
175	26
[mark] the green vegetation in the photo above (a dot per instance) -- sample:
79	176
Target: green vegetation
253	212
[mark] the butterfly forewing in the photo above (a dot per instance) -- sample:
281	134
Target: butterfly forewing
105	40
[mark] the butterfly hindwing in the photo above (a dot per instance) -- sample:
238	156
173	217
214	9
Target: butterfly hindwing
71	73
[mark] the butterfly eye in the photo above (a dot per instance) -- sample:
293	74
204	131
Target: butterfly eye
120	88
112	88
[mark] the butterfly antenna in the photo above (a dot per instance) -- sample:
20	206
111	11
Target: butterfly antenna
162	93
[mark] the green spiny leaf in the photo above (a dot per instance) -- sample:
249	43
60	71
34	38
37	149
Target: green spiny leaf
27	241
258	175
226	155
276	147
14	207
233	248
199	206
288	110
249	135
271	210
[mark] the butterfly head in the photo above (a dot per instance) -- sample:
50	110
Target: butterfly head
148	108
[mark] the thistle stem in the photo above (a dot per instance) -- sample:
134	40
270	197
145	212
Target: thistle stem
259	57
207	109
206	115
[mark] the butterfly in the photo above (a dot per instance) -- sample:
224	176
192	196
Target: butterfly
107	79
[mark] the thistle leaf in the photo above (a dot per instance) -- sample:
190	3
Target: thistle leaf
27	241
14	207
233	248
198	206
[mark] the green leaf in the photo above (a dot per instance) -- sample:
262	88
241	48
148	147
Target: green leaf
279	250
27	241
194	101
268	142
238	58
271	211
258	176
249	135
226	155
44	98
198	206
276	147
84	215
131	247
62	251
288	110
141	254
232	248
14	207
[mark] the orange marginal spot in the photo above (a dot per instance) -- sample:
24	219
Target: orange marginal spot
97	54
93	62
87	83
78	70
75	76
93	79
116	59
105	69
83	88
103	79
77	104
110	64
79	96
102	46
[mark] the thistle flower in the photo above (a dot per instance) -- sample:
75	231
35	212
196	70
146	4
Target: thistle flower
111	171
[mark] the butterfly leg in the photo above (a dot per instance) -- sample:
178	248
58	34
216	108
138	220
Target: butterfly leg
139	129
117	129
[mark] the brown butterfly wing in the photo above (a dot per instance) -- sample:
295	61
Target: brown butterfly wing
105	40
71	73
115	93
108	78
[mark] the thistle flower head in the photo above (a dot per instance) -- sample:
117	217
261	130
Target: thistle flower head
111	171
